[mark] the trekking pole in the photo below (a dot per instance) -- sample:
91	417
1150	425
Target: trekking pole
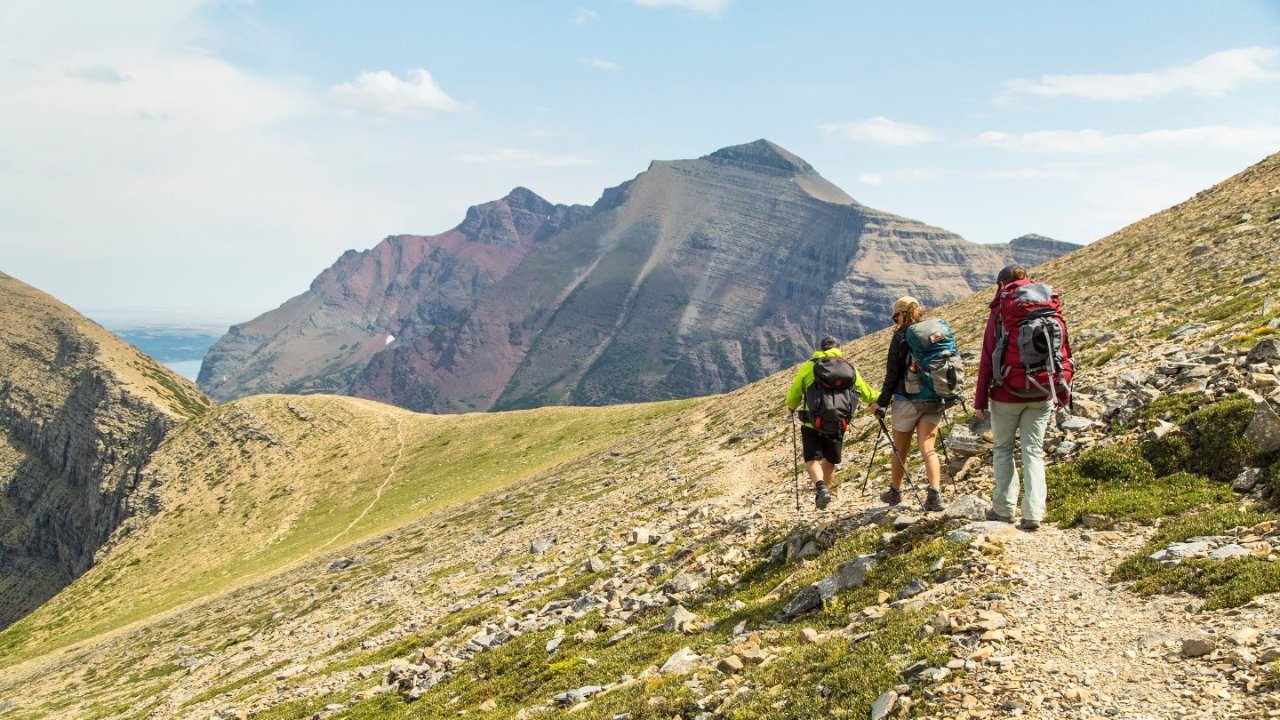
946	461
866	478
795	449
915	489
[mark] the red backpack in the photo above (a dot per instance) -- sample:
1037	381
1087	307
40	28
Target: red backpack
1032	357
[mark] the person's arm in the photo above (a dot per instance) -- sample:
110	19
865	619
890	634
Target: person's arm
864	390
795	396
983	383
894	365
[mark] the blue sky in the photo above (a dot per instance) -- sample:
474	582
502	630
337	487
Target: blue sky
186	158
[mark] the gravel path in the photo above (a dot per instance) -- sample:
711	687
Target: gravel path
1079	646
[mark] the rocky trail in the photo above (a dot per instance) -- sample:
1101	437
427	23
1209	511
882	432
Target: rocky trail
1079	646
1064	641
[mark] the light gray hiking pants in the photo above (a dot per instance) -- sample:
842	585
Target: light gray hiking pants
1030	420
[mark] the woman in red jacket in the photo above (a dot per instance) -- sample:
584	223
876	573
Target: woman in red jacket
1012	415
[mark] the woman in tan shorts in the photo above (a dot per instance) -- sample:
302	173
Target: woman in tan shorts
909	418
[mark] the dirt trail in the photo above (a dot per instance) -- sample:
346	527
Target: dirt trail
395	465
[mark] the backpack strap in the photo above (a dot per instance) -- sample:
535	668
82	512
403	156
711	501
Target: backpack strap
998	370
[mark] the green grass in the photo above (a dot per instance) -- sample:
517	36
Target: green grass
1223	584
1102	358
836	679
1119	483
170	563
1230	309
191	406
1171	408
235	685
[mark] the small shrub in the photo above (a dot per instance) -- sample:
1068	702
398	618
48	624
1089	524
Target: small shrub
1115	464
1119	482
1168	454
1170	408
1215	435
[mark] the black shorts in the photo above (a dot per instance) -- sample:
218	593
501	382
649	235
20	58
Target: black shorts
817	446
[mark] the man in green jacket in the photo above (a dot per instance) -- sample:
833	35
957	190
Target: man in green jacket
821	451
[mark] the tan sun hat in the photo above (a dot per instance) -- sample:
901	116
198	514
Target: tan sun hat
904	304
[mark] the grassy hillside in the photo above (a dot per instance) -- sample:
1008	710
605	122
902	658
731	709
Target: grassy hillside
310	548
268	481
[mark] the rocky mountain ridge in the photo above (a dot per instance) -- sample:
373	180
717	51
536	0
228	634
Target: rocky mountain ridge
695	277
81	414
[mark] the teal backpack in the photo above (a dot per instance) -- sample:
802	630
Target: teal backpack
936	372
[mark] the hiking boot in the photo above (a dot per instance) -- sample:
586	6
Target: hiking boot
892	496
821	496
1028	525
933	502
993	515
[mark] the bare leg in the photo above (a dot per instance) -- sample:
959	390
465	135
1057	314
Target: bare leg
820	471
902	441
927	435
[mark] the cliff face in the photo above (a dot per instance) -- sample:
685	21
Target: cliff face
80	415
696	277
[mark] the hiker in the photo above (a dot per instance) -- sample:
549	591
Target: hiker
909	417
1018	398
822	432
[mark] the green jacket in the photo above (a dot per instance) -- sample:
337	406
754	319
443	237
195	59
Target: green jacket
804	378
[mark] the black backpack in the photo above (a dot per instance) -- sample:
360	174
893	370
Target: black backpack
830	399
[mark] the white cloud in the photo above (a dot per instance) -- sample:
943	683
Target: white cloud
522	157
601	64
883	131
903	176
1092	142
197	91
131	154
714	8
99	73
583	17
382	93
1052	171
1212	75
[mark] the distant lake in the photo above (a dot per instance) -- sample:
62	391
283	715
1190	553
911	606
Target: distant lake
186	368
181	349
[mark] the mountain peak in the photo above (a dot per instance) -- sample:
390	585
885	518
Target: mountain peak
763	153
503	221
525	199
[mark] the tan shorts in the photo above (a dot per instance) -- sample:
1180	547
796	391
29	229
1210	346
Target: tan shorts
907	415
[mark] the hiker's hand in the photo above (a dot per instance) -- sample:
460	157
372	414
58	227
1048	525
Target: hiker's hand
982	415
875	409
